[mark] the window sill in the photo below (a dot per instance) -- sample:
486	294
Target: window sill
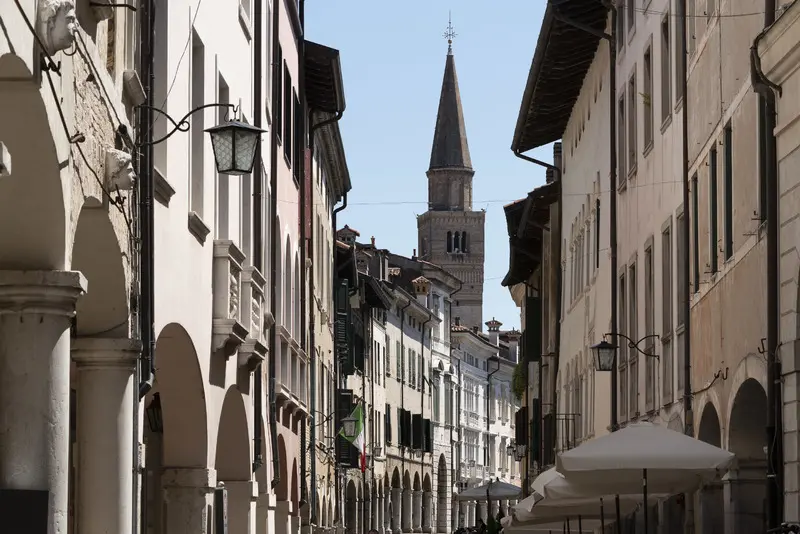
244	22
162	189
679	105
666	122
622	185
648	148
632	173
198	228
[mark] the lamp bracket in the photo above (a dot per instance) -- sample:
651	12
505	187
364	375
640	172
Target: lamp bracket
635	344
183	124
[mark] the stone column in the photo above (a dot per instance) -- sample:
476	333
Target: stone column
36	308
189	495
381	515
397	510
105	433
406	515
282	509
416	510
427	508
242	499
265	514
471	514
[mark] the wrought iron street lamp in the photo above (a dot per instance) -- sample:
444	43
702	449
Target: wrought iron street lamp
349	426
155	419
510	449
605	353
521	450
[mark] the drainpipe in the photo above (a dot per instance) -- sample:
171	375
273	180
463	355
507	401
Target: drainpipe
766	90
257	249
336	371
147	363
453	464
304	215
274	244
422	408
312	316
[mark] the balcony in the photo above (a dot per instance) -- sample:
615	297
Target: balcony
292	372
227	331
256	319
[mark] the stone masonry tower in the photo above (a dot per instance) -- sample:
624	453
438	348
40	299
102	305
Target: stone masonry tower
451	235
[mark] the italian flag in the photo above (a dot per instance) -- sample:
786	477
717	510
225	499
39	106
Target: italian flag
359	440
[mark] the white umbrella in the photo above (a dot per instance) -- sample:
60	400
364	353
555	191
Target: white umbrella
613	464
497	490
643	455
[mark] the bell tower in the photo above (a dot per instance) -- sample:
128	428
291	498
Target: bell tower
451	235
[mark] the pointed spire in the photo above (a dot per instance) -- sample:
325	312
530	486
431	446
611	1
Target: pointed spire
450	148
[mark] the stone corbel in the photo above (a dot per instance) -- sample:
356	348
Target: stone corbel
251	353
57	24
228	333
119	170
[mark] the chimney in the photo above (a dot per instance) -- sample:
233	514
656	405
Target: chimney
414	255
372	241
513	344
494	331
422	287
557	155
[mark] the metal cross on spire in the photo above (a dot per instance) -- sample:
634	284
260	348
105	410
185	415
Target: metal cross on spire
450	33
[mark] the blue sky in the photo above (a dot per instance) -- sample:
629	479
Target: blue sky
393	57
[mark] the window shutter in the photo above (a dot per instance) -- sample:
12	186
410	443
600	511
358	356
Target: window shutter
346	454
387	423
416	431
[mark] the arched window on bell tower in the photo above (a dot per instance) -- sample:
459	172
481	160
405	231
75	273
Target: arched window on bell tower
449	241
457	243
464	247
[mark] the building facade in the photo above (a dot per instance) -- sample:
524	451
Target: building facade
166	403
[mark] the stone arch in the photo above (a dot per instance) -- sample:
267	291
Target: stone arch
33	213
232	461
406	480
747	440
295	487
233	439
417	485
179	382
751	366
262	474
396	478
442	493
282	490
712	498
711	397
287	284
299	270
96	253
351	514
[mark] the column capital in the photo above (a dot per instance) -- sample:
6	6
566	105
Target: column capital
40	292
103	353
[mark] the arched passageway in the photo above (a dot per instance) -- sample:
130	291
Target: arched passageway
427	503
712	498
233	462
282	505
442	495
396	506
745	491
407	505
351	507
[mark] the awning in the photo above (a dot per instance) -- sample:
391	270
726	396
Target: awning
525	219
562	59
323	76
374	294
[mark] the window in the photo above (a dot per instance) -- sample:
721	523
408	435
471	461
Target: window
448	401
622	354
691	14
647	97
449	241
588	252
695	237
198	126
666	69
632	117
435	399
762	159
597	234
631	15
713	232
649	319
683	249
622	153
464	247
680	57
299	147
399	360
222	218
277	107
728	205
620	30
633	357
666	313
287	114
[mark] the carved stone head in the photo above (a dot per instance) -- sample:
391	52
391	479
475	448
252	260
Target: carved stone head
57	24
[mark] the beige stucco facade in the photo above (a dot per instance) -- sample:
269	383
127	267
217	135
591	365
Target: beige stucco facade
780	63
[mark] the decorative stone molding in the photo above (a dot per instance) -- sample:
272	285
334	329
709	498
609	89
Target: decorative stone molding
40	292
57	24
119	170
163	190
197	227
106	352
228	333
